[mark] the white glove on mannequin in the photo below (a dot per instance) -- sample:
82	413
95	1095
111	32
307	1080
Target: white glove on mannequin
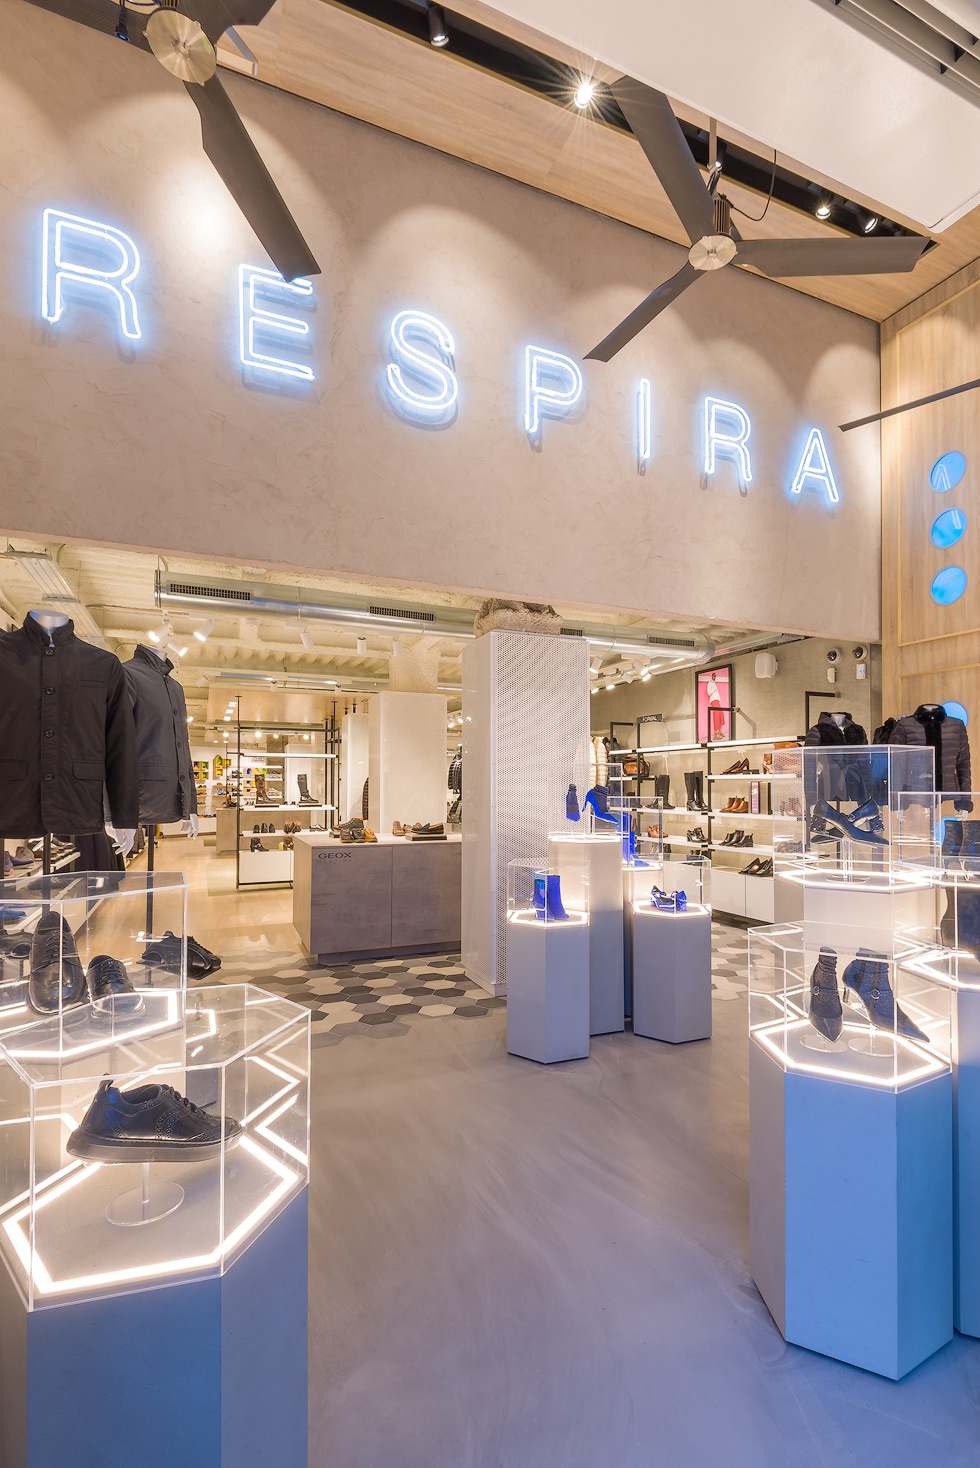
191	826
122	840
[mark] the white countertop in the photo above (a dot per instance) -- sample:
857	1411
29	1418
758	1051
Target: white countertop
322	838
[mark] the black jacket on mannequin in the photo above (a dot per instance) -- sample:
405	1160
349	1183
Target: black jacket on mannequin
66	730
827	731
931	725
167	789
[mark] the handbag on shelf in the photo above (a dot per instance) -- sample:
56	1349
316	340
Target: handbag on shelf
635	767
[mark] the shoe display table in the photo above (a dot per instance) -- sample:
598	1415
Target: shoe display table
548	987
376	899
671	973
591	867
153	1304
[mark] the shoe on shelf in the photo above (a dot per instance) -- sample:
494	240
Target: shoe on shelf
397	829
740	767
752	870
740	807
729	806
572	812
305	798
597	801
109	987
732	839
149	1124
255	829
57	977
697	835
826	1010
743	839
824	813
368	834
256	844
867	975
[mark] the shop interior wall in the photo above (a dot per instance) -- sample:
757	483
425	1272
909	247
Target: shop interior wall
930	650
767	706
169	443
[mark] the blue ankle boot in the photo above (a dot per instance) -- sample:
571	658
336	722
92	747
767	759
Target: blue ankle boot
556	911
572	812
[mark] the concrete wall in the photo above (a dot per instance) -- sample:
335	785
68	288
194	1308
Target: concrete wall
168	443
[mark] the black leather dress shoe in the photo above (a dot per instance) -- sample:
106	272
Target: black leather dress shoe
57	977
109	987
149	1124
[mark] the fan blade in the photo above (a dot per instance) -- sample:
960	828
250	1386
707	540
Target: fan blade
249	182
655	302
658	133
215	16
99	15
832	257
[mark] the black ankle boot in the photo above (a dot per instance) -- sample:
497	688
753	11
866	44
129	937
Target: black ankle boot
826	1011
867	975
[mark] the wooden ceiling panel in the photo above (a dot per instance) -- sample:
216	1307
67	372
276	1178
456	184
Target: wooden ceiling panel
320	51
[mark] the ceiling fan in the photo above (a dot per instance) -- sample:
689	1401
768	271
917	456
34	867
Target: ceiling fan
707	218
182	37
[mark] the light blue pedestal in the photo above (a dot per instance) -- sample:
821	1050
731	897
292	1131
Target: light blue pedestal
211	1374
548	989
966	1160
671	975
851	1214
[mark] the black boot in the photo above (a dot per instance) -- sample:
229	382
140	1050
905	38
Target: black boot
663	791
691	790
826	1012
305	798
699	793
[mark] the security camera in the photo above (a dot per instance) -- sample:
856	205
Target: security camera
834	655
859	653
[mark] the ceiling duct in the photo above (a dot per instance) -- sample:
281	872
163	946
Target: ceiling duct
286	603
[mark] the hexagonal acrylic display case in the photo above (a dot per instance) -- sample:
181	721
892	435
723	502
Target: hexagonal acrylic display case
835	810
670	936
548	990
846	1013
83	1215
68	921
539	892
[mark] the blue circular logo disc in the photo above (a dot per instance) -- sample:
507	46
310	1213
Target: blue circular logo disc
947	471
956	711
947	528
949	585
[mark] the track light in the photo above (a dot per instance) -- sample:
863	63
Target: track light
306	637
190	718
584	94
438	34
174	647
647	676
159	634
361	646
824	209
396	647
869	223
122	30
203	632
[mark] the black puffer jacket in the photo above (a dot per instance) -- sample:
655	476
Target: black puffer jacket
66	730
931	725
826	731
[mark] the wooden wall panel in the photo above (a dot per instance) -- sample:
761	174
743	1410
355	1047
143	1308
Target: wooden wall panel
931	653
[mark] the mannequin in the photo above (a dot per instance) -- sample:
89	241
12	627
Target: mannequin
932	727
167	788
840	719
48	620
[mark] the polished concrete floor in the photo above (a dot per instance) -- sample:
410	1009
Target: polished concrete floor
518	1266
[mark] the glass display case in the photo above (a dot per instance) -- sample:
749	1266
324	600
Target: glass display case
836	810
845	1010
67	940
539	892
148	1148
580	809
676	888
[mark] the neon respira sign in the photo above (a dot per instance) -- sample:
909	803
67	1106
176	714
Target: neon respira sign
86	260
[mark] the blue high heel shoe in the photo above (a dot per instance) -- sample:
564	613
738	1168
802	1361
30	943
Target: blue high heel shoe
539	898
598	800
662	901
572	812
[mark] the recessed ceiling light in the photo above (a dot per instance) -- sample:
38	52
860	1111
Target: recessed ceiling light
824	209
869	223
584	94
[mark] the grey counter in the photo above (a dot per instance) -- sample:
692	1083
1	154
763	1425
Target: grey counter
377	899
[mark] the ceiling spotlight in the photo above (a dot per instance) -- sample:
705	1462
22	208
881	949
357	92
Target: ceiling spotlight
824	209
159	634
584	94
361	646
869	223
647	676
596	664
180	651
594	691
204	631
227	718
306	637
438	34
190	718
122	30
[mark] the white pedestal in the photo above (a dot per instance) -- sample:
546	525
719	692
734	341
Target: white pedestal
407	759
211	1373
966	1161
591	870
548	988
671	974
851	1213
841	909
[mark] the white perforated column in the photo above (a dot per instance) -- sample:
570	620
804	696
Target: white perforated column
525	713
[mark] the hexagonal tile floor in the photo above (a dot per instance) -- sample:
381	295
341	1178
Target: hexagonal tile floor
380	998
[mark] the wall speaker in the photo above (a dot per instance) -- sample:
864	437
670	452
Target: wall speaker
765	665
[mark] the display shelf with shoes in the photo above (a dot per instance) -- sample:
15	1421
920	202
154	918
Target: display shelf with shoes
850	1042
67	941
584	803
290	772
548	981
150	1146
